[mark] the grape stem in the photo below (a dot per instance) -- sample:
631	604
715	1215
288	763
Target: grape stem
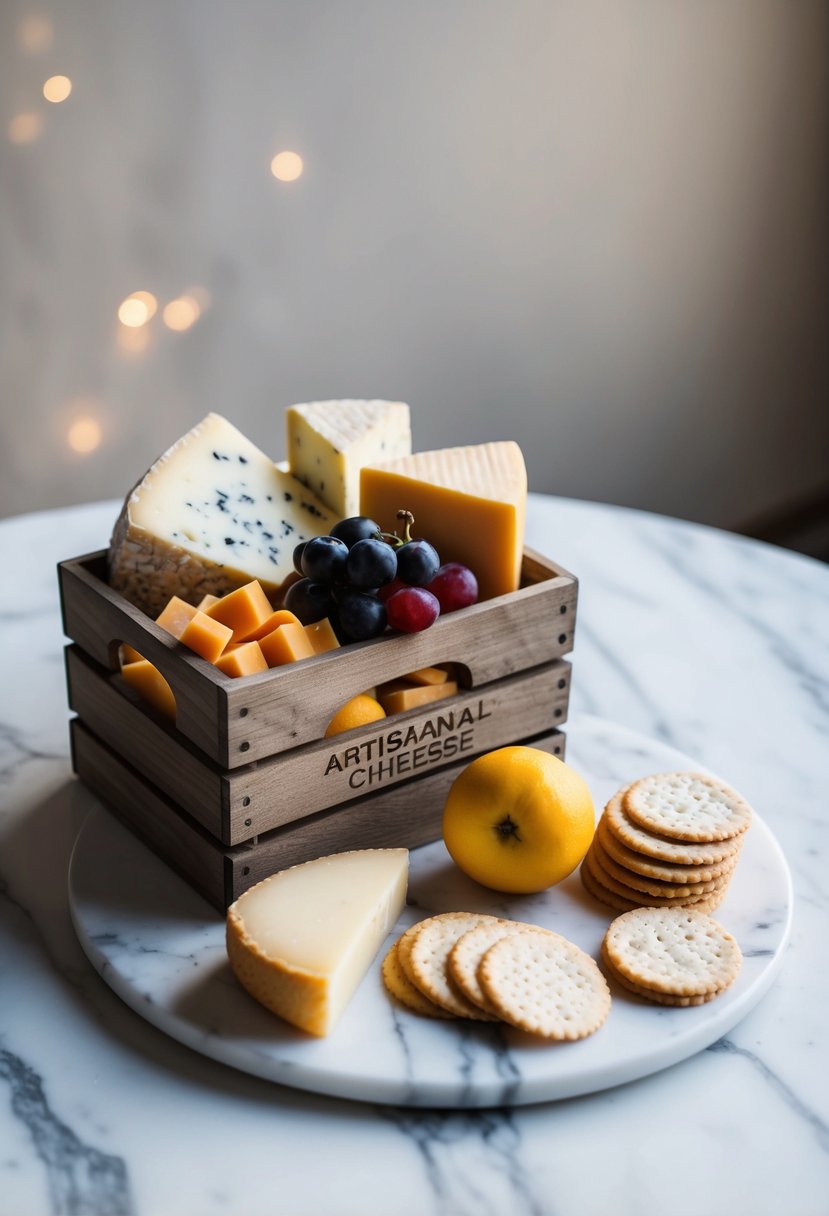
392	538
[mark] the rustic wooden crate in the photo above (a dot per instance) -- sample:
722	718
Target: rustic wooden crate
245	782
238	721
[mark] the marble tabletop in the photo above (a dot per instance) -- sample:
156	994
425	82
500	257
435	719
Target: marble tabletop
713	644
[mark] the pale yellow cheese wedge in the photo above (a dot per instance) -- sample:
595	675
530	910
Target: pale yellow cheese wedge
301	941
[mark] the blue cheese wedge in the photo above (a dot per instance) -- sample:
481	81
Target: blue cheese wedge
301	941
330	441
213	513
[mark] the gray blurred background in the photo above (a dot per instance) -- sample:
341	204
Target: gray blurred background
597	228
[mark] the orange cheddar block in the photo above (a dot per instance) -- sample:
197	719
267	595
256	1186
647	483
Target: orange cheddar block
128	655
207	637
321	636
149	683
281	616
246	659
176	616
428	675
397	696
243	610
286	644
207	601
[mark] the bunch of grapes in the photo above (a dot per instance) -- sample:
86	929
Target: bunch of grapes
365	580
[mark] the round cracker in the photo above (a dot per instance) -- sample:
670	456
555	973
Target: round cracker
546	985
658	998
676	951
641	898
404	991
650	867
651	886
687	806
467	952
424	957
600	892
662	848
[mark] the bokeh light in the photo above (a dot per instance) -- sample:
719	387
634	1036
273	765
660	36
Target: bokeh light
287	166
137	309
133	341
25	128
35	33
181	313
57	88
84	434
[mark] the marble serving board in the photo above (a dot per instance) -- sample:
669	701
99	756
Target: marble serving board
160	947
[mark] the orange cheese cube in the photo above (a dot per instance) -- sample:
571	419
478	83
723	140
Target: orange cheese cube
321	636
428	675
397	697
207	637
176	616
149	683
286	644
246	659
128	655
280	616
243	610
207	601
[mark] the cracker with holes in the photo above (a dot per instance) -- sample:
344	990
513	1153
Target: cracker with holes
424	953
467	952
672	952
546	985
687	806
662	848
650	867
404	991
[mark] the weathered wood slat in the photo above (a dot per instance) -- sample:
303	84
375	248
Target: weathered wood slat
406	815
236	805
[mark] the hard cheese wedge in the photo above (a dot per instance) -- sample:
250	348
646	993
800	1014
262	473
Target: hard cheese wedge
470	503
211	514
301	941
330	441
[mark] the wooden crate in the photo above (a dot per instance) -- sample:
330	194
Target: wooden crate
245	782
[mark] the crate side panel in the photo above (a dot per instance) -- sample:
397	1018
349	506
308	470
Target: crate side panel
141	808
149	744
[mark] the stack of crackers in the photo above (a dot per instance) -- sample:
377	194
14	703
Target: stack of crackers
672	956
469	965
668	840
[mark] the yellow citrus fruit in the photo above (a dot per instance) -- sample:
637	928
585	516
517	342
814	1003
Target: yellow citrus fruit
518	820
359	711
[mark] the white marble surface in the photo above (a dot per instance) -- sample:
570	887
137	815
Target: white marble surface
709	643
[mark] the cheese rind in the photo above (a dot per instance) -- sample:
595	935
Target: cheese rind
212	513
470	503
301	941
330	441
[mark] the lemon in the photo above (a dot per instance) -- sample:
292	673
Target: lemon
359	711
518	820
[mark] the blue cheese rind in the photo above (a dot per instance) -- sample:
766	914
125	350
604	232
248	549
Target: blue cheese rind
211	514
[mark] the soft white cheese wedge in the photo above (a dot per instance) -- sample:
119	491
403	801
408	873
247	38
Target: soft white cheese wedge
330	441
211	514
301	941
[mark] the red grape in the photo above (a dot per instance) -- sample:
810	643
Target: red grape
411	609
385	593
455	586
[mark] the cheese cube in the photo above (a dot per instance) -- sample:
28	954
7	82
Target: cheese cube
398	696
470	503
301	941
281	616
321	636
287	644
151	685
329	442
244	611
176	616
129	655
207	601
428	675
246	659
206	637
